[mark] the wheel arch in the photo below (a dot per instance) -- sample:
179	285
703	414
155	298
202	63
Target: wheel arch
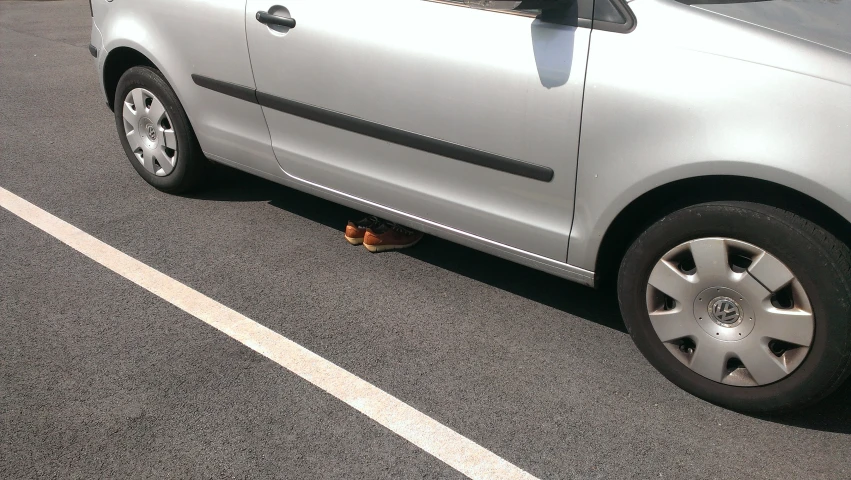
664	199
118	61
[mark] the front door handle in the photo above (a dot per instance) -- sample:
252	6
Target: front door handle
269	19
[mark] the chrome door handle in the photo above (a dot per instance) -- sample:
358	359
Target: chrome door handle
269	19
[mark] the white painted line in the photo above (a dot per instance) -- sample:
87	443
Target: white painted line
445	444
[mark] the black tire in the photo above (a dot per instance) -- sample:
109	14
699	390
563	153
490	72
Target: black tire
191	165
821	263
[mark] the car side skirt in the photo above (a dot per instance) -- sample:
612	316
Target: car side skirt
538	262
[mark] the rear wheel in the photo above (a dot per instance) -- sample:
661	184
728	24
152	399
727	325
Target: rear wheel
741	304
155	132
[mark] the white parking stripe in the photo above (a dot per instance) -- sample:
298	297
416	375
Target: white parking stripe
445	444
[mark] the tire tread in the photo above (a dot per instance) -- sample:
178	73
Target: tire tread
826	245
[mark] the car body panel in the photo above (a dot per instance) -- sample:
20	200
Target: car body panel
197	36
506	84
826	22
707	95
96	43
687	93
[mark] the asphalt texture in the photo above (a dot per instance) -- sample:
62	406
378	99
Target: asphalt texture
101	379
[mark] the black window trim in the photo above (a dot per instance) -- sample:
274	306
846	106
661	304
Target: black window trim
455	3
582	22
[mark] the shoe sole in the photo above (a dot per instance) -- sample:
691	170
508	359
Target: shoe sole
354	240
384	248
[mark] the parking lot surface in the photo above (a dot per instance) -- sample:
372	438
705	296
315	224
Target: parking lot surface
100	378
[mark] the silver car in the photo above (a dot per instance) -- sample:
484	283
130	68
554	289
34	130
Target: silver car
693	154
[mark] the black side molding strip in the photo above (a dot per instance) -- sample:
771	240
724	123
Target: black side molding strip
406	138
381	132
227	88
93	50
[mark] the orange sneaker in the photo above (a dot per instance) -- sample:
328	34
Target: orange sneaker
390	236
355	231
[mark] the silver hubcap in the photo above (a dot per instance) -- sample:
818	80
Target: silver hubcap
149	132
730	311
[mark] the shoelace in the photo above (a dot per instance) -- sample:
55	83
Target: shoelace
369	222
400	229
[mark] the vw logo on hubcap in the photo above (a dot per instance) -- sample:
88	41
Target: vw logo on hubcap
148	132
725	311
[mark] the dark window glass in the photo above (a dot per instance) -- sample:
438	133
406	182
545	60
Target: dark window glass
605	11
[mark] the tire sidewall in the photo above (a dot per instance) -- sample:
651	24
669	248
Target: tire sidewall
824	283
152	80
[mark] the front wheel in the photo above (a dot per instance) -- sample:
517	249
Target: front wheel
741	304
155	132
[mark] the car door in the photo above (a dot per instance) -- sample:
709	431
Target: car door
464	117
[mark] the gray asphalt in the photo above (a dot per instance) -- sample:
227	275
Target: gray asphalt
101	379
